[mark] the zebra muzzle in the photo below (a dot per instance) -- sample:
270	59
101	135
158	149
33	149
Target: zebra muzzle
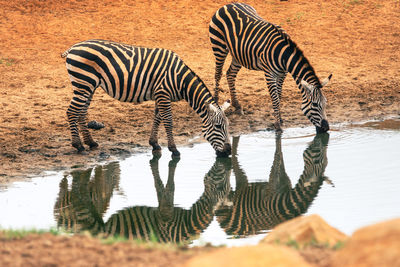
226	151
324	127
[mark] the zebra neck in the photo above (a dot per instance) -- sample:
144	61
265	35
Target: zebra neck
195	92
299	67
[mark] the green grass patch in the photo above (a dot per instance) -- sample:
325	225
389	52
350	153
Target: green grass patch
113	239
355	2
313	243
12	234
7	61
293	243
338	245
293	20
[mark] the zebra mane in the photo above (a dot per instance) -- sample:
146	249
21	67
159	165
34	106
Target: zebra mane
198	78
293	44
282	32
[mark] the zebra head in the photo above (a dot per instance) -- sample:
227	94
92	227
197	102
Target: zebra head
215	128
314	103
217	181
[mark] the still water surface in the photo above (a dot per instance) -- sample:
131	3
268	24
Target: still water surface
349	177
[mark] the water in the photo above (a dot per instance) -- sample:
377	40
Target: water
349	177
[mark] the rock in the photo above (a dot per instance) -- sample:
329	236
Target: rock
305	230
28	149
95	125
260	255
103	155
376	245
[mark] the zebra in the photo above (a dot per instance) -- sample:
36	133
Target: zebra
257	207
259	45
169	224
82	206
76	209
138	74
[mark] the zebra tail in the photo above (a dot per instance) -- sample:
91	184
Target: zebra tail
63	55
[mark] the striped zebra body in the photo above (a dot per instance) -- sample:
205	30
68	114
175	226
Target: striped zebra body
262	205
137	74
77	209
146	223
82	206
169	224
259	45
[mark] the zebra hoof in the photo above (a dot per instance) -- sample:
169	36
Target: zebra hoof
176	154
173	162
93	145
278	128
157	153
79	147
156	157
239	111
156	147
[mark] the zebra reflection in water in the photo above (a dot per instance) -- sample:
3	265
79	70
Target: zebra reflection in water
259	206
164	223
83	206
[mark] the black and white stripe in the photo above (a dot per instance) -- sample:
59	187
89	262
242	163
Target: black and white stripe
259	206
138	74
167	223
259	45
82	206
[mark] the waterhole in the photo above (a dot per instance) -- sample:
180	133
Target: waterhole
350	177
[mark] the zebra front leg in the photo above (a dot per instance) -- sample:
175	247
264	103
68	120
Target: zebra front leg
279	82
231	77
153	141
274	94
87	138
219	63
164	105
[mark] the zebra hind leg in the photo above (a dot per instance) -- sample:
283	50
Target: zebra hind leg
73	117
87	138
76	114
153	141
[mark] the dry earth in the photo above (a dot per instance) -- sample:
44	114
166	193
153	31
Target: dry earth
356	40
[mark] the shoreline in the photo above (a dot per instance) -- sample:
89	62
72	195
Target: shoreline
98	156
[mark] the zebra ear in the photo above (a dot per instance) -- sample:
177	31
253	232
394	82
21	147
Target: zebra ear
307	87
226	105
212	108
305	84
326	80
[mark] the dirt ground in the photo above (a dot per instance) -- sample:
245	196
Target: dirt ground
356	40
50	250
